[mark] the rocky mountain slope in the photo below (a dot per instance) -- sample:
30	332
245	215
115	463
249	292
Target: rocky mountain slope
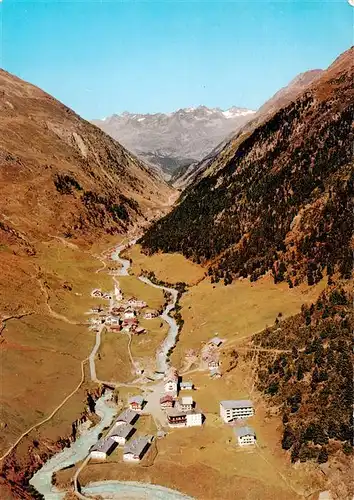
62	175
171	140
188	174
277	197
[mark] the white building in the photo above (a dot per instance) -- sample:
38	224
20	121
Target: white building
136	403
186	386
186	403
245	436
171	381
127	416
121	433
129	314
235	409
215	342
134	451
194	418
103	448
213	363
112	321
139	304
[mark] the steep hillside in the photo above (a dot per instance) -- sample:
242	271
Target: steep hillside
185	176
311	380
65	186
61	174
173	140
278	197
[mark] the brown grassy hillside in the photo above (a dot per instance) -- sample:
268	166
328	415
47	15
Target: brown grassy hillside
65	186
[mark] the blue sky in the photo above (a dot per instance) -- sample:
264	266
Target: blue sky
101	57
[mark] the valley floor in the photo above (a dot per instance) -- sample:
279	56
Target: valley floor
205	462
202	462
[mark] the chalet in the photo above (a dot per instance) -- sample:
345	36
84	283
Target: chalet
103	448
171	381
136	403
121	433
139	304
135	450
112	321
186	386
186	403
151	313
194	418
176	418
167	402
215	342
245	436
128	416
115	311
129	313
129	324
236	409
97	309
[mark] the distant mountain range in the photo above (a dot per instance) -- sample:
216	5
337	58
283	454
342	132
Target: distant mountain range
172	140
187	174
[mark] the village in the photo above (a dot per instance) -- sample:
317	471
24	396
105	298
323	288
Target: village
122	316
170	402
179	412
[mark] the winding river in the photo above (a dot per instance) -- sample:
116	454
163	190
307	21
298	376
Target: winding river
78	450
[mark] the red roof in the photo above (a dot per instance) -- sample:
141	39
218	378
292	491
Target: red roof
130	321
166	399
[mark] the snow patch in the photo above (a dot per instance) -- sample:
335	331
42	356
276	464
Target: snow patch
232	113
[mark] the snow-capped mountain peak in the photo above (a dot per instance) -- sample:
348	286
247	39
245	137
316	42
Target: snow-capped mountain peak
186	134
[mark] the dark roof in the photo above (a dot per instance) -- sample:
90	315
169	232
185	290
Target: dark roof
176	413
105	445
137	446
244	431
127	416
121	430
237	403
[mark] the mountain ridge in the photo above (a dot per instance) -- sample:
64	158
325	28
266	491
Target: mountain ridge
183	136
188	175
258	205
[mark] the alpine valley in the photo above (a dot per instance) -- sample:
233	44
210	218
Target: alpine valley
215	258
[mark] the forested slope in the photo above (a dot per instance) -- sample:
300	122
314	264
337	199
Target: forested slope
280	199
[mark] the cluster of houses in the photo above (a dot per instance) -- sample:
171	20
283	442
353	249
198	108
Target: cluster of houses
98	294
121	433
123	316
234	410
210	356
179	412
